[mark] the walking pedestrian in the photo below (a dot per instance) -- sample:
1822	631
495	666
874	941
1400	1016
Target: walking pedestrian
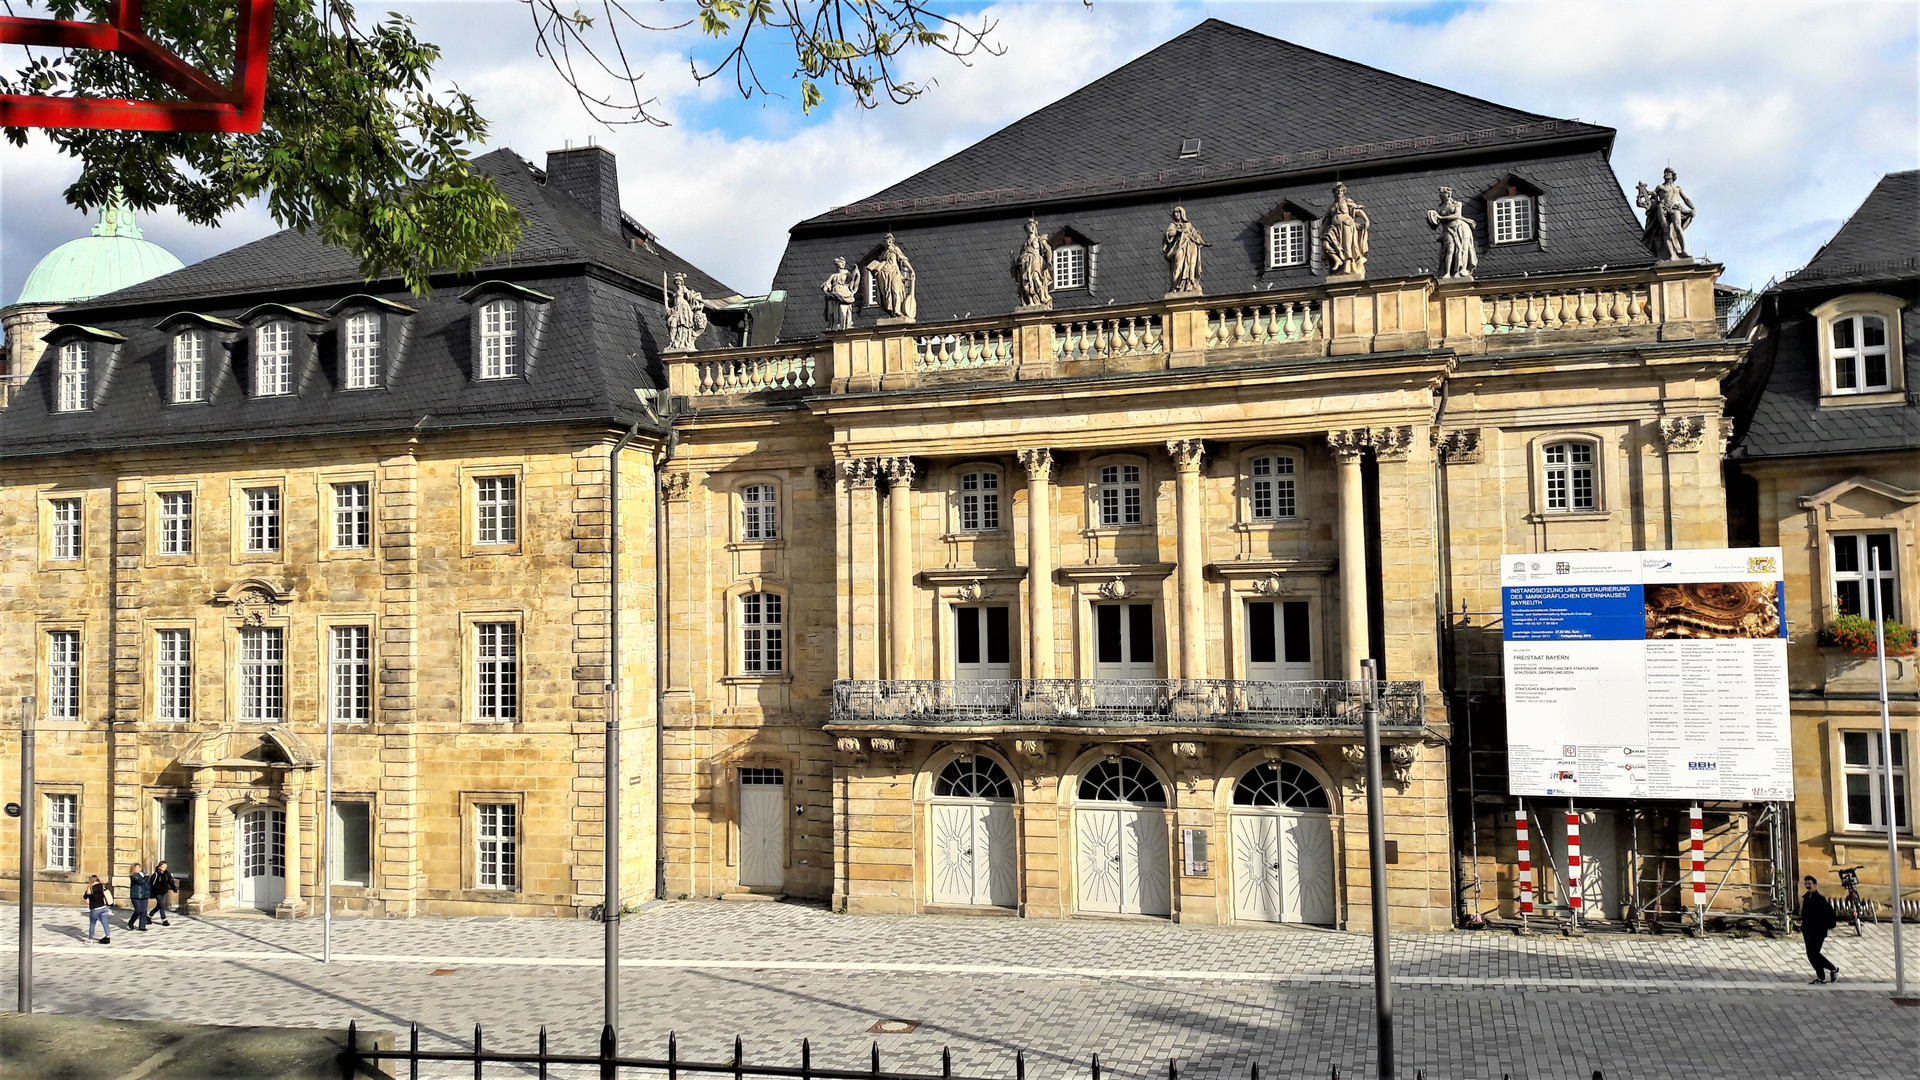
140	893
1816	919
164	886
99	909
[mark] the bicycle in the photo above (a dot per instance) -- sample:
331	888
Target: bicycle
1853	901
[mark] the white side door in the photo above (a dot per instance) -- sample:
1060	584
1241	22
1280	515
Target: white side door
1279	641
1256	867
1101	877
763	830
954	849
1123	861
262	858
996	880
973	853
1306	871
1146	863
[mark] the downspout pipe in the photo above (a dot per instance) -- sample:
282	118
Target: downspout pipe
660	609
610	870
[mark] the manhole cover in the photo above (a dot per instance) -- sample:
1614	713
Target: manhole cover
893	1027
443	971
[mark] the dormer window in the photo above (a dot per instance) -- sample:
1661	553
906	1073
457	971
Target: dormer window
1861	363
1070	266
1859	354
74	375
508	324
362	333
1512	218
1286	243
273	360
189	367
499	340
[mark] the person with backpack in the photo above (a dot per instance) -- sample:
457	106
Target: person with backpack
163	885
140	892
99	909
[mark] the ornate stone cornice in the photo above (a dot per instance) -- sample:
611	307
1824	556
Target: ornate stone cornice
1186	453
859	473
1037	461
1682	434
1348	444
1391	443
674	485
1458	447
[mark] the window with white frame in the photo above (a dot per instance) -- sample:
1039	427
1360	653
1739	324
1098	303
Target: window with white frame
63	832
1865	773
1512	219
363	350
1862	562
1119	496
1859	354
1568	477
263	673
980	501
1286	244
176	523
496	505
1070	266
499	339
73	377
189	367
497	845
173	675
273	360
263	519
63	675
350	674
352	515
871	288
65	542
762	641
496	669
759	512
1271	495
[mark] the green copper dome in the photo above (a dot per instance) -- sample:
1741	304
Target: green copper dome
114	257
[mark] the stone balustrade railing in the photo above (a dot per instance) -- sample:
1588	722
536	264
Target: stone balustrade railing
795	369
1100	339
1551	309
1265	323
988	347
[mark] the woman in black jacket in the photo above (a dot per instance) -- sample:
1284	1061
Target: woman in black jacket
163	885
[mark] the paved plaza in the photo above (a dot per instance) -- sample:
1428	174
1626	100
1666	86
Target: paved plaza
1215	999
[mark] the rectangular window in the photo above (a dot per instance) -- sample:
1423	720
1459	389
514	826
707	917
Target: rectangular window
363	351
1123	641
173	675
189	367
762	648
63	675
352	516
499	340
273	360
176	523
63	832
74	377
759	513
1279	641
1512	219
1070	266
1859	354
65	541
1120	495
1860	561
352	832
980	502
1270	490
1569	477
497	859
263	673
1286	244
350	674
496	510
983	636
263	519
496	671
1866	780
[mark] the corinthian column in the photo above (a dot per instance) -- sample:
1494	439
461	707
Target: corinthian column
859	577
900	629
1190	551
1347	446
1039	466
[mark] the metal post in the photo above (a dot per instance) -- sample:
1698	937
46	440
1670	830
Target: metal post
1377	858
610	826
1886	765
326	858
23	999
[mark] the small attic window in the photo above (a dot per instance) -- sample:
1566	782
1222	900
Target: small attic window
1189	148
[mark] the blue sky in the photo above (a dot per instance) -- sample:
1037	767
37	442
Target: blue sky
1778	116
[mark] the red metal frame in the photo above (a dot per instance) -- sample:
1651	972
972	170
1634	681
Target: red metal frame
209	105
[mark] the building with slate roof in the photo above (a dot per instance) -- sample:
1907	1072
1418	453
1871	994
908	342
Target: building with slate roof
1036	565
1826	464
261	494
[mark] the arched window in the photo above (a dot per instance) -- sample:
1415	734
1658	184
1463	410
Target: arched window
273	359
499	339
189	367
1284	784
762	634
1117	496
1122	780
971	776
1569	477
1271	494
980	501
759	512
363	351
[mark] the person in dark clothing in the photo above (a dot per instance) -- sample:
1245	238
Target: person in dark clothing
164	886
1816	919
99	909
140	892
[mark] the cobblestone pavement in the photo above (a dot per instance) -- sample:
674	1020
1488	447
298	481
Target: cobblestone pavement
1216	999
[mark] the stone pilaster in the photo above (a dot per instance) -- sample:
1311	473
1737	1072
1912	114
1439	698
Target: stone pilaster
399	813
1039	466
1191	555
591	535
858	570
1347	446
900	621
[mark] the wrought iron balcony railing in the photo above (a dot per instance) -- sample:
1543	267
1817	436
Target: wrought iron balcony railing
1098	703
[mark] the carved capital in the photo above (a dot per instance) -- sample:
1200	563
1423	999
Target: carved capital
674	485
1038	462
1683	434
1461	447
1186	453
859	473
1032	748
1348	444
1402	757
1391	443
898	470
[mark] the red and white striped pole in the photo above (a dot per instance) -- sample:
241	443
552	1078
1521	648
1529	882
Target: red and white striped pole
1699	867
1573	861
1526	862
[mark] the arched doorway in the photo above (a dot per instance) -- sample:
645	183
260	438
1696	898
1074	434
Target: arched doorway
971	823
1282	846
1120	819
260	845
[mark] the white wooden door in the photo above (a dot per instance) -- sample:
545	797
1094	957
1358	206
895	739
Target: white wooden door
1123	641
973	853
1283	867
763	829
262	858
1279	641
1256	867
983	643
1123	860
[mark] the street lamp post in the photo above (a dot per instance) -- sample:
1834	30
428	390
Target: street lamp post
1886	761
326	856
1377	860
23	994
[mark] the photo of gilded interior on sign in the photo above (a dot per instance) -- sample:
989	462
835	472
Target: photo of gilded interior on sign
1713	609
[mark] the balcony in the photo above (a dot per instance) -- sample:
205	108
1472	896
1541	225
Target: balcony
1123	706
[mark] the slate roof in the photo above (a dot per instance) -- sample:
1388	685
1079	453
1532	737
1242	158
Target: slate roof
1881	241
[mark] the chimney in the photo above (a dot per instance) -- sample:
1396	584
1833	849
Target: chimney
588	176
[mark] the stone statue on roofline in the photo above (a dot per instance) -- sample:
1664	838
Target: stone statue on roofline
1181	246
1344	238
840	290
1458	255
1669	213
1033	270
895	286
686	316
